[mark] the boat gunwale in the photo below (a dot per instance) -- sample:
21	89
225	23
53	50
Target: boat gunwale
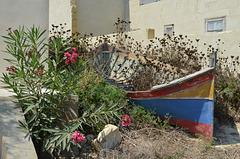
176	81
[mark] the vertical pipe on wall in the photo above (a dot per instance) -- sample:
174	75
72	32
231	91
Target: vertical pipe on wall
73	4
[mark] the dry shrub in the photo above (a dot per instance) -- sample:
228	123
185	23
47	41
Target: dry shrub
160	61
169	58
157	143
227	88
163	60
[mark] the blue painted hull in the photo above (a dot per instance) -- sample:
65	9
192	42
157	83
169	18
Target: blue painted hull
195	110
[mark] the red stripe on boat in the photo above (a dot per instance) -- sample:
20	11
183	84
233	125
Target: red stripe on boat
194	127
209	76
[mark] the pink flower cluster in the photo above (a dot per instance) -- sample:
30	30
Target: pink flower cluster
39	72
76	137
71	58
125	120
11	70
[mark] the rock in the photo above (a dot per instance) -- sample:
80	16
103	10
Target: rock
108	138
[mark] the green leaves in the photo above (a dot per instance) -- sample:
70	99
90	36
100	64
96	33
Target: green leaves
43	91
59	138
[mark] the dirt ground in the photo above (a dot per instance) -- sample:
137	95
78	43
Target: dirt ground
152	143
175	143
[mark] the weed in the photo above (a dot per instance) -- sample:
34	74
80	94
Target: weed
206	143
142	118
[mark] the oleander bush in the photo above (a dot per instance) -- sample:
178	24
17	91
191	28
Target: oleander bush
43	84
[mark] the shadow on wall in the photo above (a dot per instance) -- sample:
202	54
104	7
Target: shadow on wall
99	18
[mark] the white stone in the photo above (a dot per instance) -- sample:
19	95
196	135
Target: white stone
108	138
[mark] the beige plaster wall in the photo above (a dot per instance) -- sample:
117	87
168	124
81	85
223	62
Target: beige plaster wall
60	13
98	17
21	12
188	17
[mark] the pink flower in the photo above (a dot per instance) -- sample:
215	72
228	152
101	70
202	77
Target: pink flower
31	52
73	49
76	137
125	120
28	54
68	61
11	70
39	72
71	58
74	56
67	54
80	138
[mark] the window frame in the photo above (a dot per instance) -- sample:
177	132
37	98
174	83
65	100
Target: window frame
142	3
168	26
223	19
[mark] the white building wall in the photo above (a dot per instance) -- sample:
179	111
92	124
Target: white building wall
98	16
188	17
60	13
14	13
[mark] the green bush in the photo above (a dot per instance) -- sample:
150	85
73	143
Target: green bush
147	118
97	93
43	83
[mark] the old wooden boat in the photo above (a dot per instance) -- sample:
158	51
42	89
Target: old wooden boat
187	102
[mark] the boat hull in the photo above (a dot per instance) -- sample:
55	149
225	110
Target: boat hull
193	114
187	102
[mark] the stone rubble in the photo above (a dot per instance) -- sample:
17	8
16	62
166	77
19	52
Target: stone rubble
108	138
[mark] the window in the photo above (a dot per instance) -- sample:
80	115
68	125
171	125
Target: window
142	2
215	24
169	30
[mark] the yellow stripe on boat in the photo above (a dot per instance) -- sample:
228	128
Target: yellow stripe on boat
201	91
